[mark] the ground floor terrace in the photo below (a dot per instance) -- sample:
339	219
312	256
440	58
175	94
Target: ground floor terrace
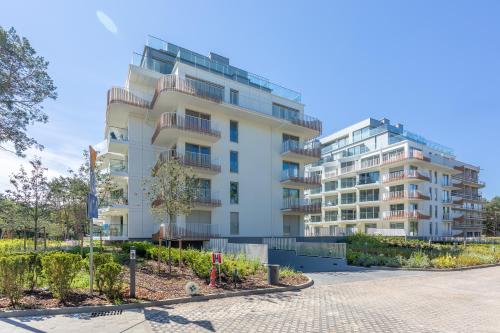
357	300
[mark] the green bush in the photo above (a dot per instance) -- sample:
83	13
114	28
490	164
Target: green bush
34	269
418	260
13	276
141	248
99	260
109	274
60	269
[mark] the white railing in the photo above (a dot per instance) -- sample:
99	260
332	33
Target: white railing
403	214
370	163
386	232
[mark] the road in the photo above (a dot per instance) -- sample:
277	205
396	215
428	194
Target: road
361	300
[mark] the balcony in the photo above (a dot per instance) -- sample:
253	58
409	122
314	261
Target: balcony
201	89
201	163
171	126
329	203
370	163
189	231
294	179
303	206
205	198
112	232
118	168
412	175
463	181
298	118
331	174
117	95
447	201
447	217
348	169
307	153
404	156
117	140
113	206
404	195
404	215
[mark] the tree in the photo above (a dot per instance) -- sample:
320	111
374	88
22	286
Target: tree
492	215
31	193
11	219
171	190
24	85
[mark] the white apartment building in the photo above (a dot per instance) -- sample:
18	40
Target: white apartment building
379	178
247	140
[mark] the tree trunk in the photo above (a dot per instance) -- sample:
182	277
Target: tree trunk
25	239
159	250
36	226
81	244
180	253
44	239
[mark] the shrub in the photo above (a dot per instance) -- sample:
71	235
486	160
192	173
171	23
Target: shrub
418	260
109	274
446	261
60	269
34	269
141	248
286	271
99	260
13	275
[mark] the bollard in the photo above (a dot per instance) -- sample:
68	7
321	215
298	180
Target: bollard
132	271
273	274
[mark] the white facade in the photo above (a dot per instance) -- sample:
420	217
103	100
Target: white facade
379	178
187	110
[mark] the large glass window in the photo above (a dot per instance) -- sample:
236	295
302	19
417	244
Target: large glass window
234	97
291	193
233	131
348	214
397	225
348	182
331	186
234	192
397	207
233	163
234	227
361	134
369	213
285	112
290	169
331	216
369	195
348	198
315	218
369	177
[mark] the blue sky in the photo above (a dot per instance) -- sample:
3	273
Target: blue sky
431	65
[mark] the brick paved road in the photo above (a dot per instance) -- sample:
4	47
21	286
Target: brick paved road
358	301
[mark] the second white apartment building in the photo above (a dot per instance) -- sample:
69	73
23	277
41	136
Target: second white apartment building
247	140
379	178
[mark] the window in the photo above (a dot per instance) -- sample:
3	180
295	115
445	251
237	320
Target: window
435	194
234	227
430	211
368	178
397	225
331	216
436	211
397	207
435	177
430	228
291	194
361	134
290	169
285	112
233	192
233	163
413	228
446	180
348	214
368	195
430	176
348	198
370	226
234	97
331	186
233	131
369	213
347	182
315	218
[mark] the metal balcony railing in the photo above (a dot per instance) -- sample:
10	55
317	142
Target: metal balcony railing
205	197
196	160
312	149
404	214
188	86
296	177
404	174
185	123
403	155
123	96
411	194
301	205
114	230
189	231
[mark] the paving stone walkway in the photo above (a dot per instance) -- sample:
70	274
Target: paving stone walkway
356	301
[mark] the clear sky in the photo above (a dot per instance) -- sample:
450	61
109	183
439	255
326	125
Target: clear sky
432	65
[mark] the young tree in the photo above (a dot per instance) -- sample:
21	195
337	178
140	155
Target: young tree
31	193
24	85
492	216
171	190
11	219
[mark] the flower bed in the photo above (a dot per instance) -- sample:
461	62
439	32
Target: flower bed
365	250
56	278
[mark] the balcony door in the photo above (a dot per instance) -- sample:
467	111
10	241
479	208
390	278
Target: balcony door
291	225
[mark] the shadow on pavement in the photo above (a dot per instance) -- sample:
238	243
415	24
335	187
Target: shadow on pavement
20	324
163	317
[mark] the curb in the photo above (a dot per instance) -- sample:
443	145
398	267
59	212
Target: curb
458	269
140	305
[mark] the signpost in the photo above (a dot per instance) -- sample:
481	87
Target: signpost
132	271
92	211
217	260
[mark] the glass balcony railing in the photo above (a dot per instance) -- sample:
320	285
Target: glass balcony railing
114	230
113	201
118	166
199	61
204	196
118	134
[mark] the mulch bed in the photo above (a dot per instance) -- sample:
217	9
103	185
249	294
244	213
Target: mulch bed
150	286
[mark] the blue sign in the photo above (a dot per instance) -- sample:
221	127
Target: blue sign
92	211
